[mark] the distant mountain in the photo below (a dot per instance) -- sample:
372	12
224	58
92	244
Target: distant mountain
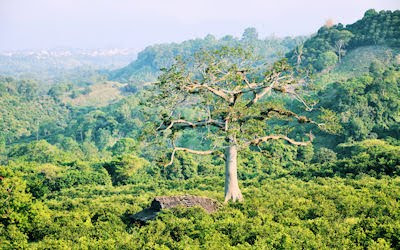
149	61
59	65
66	58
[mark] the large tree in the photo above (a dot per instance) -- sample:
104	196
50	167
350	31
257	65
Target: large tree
227	91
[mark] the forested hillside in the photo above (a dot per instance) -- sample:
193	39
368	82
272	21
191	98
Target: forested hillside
332	42
147	66
317	140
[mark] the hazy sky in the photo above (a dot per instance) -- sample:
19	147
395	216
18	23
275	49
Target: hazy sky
36	24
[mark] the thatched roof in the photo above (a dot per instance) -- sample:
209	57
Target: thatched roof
164	202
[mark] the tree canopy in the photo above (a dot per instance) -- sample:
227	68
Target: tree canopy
227	89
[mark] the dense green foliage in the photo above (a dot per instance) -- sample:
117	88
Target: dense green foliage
376	28
24	113
59	206
72	177
149	62
368	105
331	43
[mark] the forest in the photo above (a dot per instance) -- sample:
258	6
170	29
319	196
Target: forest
298	138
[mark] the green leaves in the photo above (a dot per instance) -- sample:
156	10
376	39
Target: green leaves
40	151
123	168
330	121
366	106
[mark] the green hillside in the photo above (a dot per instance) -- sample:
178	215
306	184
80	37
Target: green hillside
100	94
301	152
357	62
331	43
147	66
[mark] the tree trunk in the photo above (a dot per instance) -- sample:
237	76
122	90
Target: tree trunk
232	190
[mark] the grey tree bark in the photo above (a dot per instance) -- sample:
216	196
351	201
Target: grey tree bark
232	191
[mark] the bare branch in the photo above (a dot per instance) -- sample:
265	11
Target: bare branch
185	124
261	94
267	114
217	92
265	89
172	159
300	99
300	119
280	137
192	151
290	89
197	152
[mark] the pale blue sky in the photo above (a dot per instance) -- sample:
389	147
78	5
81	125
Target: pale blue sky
36	24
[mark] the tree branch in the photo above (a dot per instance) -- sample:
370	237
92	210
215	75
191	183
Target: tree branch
185	124
264	89
192	151
267	113
280	137
217	92
261	94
